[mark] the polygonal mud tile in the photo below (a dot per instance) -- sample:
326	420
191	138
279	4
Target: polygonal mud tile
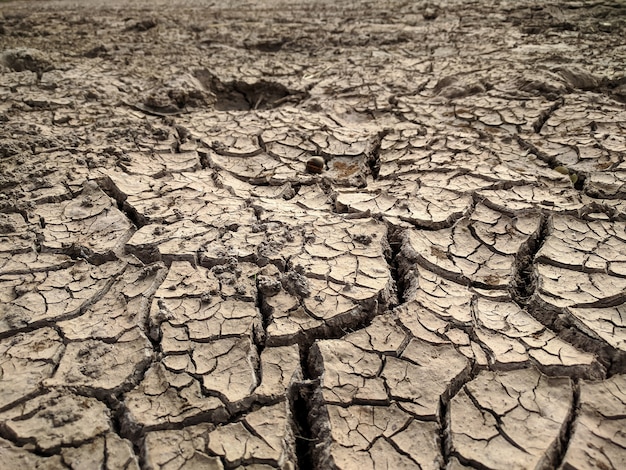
56	419
350	374
606	185
370	437
374	402
108	452
582	245
165	397
89	224
180	241
562	287
598	438
606	324
491	329
279	370
510	337
95	364
47	177
262	436
278	152
182	196
513	419
460	256
123	307
16	235
584	135
41	297
203	304
198	320
258	439
405	202
15	457
423	376
336	275
228	368
394	370
32	261
177	449
587	303
26	359
497	112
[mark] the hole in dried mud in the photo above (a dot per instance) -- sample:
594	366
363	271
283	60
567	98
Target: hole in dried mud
269	45
238	95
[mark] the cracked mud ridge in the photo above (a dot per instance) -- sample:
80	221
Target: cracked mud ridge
313	235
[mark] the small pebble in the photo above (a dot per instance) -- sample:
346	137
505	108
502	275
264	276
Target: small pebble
315	165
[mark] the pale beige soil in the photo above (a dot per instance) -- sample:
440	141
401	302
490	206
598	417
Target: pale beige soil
177	291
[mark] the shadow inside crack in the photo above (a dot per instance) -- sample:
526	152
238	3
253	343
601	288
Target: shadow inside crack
239	95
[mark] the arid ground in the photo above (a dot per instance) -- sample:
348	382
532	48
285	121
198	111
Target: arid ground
177	291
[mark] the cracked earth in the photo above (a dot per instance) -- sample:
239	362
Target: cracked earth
182	287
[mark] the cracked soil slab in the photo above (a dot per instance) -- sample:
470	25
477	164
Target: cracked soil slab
297	236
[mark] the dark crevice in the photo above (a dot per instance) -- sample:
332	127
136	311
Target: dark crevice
258	337
545	115
205	160
139	447
445	419
577	178
318	420
469	462
109	188
525	282
21	400
117	417
134	431
373	157
395	244
79	252
396	447
565	326
334	328
300	397
566	436
445	444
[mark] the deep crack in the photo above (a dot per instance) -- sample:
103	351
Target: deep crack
525	282
300	396
566	436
